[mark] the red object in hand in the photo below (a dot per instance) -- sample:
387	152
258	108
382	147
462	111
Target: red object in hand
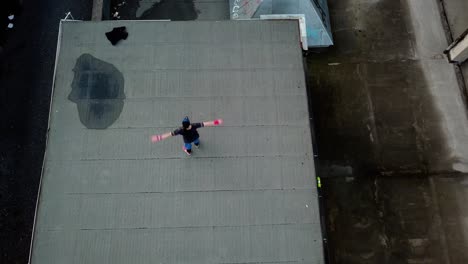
218	122
156	138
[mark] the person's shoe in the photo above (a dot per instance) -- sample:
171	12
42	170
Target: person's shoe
197	145
188	151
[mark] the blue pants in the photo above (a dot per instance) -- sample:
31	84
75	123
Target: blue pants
189	145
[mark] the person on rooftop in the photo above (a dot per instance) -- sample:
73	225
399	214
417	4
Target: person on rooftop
189	133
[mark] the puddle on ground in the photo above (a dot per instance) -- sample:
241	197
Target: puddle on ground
98	91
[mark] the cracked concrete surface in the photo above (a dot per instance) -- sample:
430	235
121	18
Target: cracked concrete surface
388	108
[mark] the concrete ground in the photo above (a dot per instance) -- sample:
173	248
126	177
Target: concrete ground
392	134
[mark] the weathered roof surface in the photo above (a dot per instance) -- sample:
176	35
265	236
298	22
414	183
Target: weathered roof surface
248	195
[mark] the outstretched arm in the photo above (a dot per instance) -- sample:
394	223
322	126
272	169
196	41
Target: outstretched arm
156	138
216	122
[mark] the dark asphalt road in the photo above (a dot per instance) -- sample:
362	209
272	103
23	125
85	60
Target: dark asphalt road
26	70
